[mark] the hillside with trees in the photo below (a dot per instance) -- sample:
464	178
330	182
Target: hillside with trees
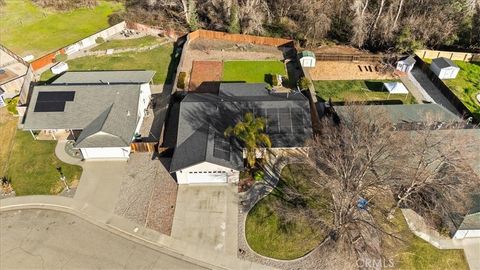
400	25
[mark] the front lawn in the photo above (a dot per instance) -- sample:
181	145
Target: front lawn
29	29
127	43
8	127
32	167
251	71
269	235
358	90
159	59
467	85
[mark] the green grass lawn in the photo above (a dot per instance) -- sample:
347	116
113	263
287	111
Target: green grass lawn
467	85
28	29
127	43
357	90
419	254
157	59
251	71
32	166
268	235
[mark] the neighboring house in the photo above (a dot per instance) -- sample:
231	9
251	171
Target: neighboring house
406	64
101	110
204	155
12	72
444	68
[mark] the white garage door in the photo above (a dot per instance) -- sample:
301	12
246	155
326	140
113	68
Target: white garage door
105	153
206	178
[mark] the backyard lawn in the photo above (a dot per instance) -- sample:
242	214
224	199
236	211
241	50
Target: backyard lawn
127	43
269	236
357	90
8	127
158	59
251	71
467	85
32	166
28	29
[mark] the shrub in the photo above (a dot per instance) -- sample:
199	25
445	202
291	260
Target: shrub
273	80
99	40
258	175
60	57
182	78
115	18
304	83
234	22
12	105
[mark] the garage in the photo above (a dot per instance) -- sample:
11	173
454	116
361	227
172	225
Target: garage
105	153
207	177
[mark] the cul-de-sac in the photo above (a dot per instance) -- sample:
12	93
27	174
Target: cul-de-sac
240	134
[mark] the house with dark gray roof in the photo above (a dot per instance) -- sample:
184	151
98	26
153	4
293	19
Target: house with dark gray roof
102	114
204	155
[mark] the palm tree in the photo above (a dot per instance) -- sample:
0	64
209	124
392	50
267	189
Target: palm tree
251	131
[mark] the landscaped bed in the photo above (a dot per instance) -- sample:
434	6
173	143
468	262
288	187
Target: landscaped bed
251	71
269	236
358	90
158	59
29	29
32	167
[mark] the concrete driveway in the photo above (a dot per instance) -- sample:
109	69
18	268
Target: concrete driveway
207	216
45	239
100	184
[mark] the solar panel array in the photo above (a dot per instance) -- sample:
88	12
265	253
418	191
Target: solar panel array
221	147
282	120
53	101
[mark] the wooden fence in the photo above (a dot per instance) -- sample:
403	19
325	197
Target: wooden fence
461	56
144	147
352	57
241	38
446	91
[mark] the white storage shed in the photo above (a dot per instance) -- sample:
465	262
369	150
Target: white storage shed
395	88
406	64
444	68
307	59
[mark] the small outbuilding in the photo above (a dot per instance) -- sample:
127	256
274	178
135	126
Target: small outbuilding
406	64
59	68
307	59
444	68
395	88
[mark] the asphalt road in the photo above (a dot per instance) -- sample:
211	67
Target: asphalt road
46	239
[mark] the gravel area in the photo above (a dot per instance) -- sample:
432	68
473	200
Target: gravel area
148	193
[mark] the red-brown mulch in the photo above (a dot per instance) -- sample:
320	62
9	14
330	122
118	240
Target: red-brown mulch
205	76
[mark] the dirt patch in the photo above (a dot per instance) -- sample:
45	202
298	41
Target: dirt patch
339	49
205	75
337	70
203	44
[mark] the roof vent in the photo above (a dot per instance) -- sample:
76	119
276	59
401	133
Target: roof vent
128	113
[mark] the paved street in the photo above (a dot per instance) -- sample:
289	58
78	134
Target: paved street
45	239
207	216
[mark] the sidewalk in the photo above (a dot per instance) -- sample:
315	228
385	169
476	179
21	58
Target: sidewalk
470	246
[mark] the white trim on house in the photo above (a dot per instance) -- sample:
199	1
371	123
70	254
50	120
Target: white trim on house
97	153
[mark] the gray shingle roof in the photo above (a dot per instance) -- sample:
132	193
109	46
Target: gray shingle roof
443	62
204	115
410	60
414	113
98	110
471	222
104	77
